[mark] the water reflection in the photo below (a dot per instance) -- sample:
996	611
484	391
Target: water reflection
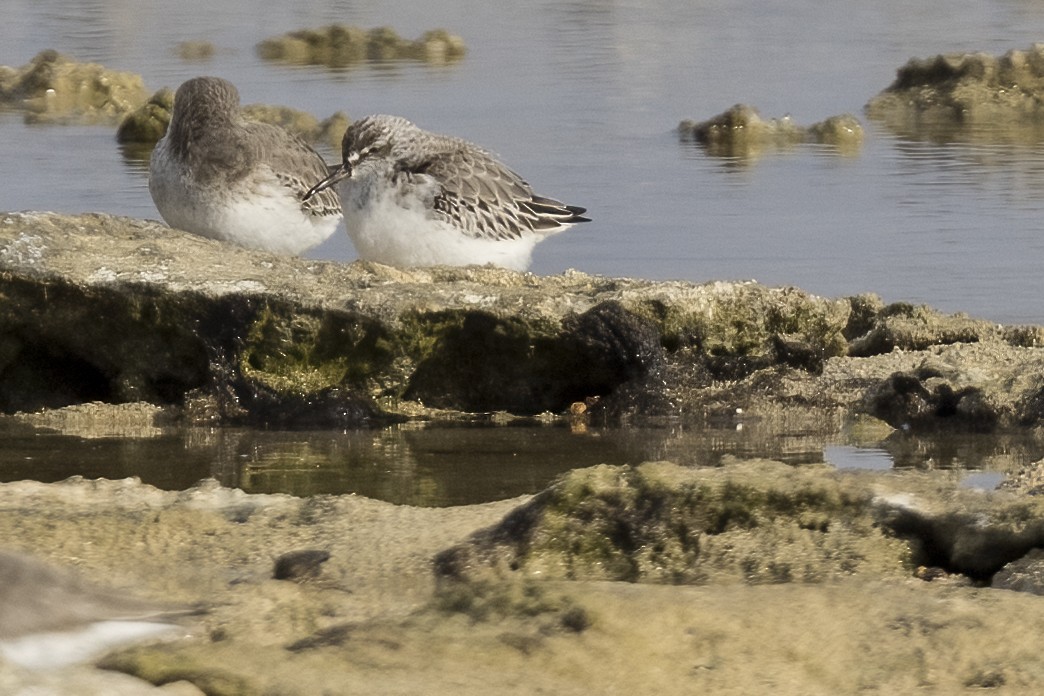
437	466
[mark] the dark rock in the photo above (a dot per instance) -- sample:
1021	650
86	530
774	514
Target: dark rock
300	565
481	363
148	123
924	401
1023	575
976	536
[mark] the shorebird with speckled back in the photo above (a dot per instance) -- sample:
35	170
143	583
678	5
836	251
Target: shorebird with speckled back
219	175
414	198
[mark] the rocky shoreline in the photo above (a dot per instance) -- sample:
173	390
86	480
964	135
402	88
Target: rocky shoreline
126	326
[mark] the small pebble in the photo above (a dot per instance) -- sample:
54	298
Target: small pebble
300	565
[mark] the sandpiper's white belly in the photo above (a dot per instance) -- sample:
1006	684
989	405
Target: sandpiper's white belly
257	212
398	230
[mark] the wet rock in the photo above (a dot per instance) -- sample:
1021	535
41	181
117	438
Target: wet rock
950	95
1027	479
749	521
56	88
742	133
843	131
904	401
753	522
148	123
380	619
963	388
139	312
600	350
340	46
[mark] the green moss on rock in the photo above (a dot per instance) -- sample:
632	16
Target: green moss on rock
756	522
148	123
302	352
731	322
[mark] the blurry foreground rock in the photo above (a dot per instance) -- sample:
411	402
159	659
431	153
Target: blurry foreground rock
342	45
741	132
99	308
750	521
967	95
775	558
55	88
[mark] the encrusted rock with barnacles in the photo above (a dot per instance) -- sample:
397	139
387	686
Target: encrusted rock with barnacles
102	308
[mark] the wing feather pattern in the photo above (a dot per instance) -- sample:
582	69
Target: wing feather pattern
485	199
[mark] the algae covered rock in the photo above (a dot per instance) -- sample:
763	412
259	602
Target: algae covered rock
748	521
137	311
340	45
751	522
100	308
966	95
742	132
56	88
148	123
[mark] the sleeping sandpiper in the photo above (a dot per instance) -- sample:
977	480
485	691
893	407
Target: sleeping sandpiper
222	176
414	198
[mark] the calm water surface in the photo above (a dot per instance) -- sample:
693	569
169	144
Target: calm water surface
439	466
583	98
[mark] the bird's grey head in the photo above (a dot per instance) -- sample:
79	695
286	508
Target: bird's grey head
369	139
376	137
203	99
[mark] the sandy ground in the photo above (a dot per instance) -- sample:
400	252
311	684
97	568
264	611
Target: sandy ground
370	623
